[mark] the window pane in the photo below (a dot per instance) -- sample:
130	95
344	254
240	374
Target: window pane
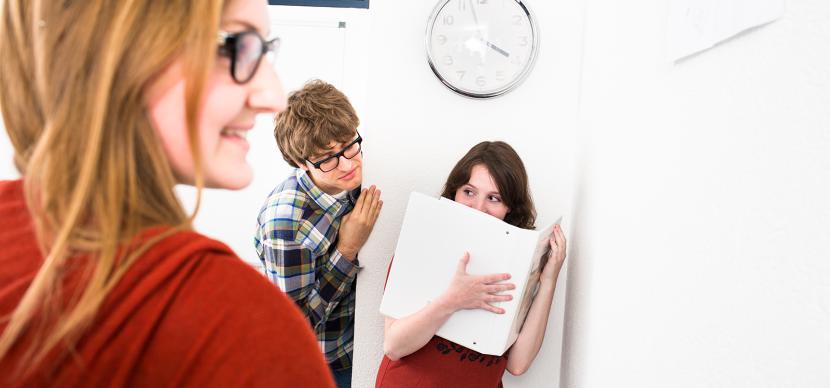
323	3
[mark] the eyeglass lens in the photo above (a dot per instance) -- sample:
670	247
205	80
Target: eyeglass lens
332	162
249	50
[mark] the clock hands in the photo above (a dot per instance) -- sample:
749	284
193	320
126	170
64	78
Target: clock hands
475	18
496	48
481	38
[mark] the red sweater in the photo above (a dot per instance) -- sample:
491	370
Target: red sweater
188	312
441	363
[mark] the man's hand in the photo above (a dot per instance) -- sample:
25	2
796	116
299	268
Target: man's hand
357	225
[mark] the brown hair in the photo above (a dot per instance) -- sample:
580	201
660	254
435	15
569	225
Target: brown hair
509	173
95	175
316	115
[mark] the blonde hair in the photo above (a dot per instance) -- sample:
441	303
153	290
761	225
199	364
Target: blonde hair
315	116
73	80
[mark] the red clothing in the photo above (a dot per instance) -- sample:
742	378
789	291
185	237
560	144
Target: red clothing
441	363
188	312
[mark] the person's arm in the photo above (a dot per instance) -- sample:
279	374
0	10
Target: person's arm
405	336
291	266
529	341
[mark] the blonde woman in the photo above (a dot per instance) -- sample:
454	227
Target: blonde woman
109	104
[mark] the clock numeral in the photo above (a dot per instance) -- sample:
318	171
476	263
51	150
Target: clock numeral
481	81
517	20
448	60
442	39
500	76
461	74
462	5
522	41
449	20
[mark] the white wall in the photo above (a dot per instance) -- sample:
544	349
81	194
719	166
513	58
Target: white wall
416	129
702	220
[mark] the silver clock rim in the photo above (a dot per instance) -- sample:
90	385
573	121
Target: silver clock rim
507	88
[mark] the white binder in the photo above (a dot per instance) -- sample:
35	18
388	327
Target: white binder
434	236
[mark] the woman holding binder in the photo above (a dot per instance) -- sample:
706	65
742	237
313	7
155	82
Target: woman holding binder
490	178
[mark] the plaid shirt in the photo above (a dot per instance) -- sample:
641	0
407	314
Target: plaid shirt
296	240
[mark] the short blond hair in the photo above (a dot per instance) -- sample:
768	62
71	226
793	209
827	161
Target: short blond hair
316	115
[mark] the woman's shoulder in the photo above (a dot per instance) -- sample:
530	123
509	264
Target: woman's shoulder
11	188
13	211
209	308
208	276
198	260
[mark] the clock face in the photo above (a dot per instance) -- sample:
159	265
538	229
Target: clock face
481	48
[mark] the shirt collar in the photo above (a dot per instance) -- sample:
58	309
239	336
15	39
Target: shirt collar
328	203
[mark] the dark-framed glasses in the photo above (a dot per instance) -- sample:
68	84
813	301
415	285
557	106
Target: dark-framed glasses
245	50
331	162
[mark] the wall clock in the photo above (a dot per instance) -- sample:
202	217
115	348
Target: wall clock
481	48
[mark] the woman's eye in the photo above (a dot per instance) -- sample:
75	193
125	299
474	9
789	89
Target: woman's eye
495	198
468	192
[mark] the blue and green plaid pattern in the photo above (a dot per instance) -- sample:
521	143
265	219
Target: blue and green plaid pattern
296	240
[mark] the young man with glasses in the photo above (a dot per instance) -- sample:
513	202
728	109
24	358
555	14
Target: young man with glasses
313	224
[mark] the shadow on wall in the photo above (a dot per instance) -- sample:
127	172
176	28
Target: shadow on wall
577	277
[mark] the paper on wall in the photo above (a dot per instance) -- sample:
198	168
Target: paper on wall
697	25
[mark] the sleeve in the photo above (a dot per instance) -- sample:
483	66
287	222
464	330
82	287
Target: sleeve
291	265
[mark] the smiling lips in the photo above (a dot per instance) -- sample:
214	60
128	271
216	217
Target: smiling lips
240	133
349	175
239	130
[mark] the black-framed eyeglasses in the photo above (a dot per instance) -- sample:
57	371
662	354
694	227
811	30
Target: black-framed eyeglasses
348	152
245	50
